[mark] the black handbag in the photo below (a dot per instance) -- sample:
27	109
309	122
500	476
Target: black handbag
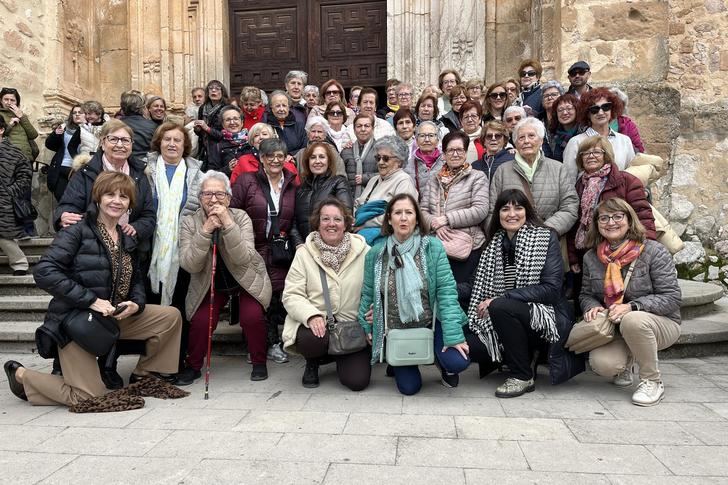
93	332
281	247
345	337
23	209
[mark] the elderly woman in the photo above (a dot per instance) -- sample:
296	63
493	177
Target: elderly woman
157	109
530	72
311	96
250	162
268	196
95	118
319	182
562	127
279	115
512	115
317	132
142	128
391	106
516	301
404	122
65	140
597	108
354	98
331	252
336	116
496	100
494	140
253	109
513	88
646	310
601	180
392	155
408	284
448	79
455	204
427	158
471	117
331	91
368	106
474	88
240	272
294	83
224	155
545	182
359	158
19	130
93	266
208	125
426	110
550	91
451	119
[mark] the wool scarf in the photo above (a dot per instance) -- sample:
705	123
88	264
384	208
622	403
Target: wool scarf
238	138
472	154
615	260
593	185
408	279
429	159
448	176
165	255
532	245
333	256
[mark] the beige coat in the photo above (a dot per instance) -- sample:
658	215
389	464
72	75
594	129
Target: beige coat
384	188
237	248
303	295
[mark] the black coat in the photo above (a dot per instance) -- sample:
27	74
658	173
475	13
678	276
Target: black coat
220	154
500	158
143	132
77	198
16	173
293	132
76	270
451	121
312	192
56	143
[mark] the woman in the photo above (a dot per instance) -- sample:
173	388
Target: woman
530	72
359	158
330	248
626	125
319	182
336	116
600	180
134	116
259	194
95	118
253	109
391	154
294	83
404	124
311	96
494	141
426	110
354	98
496	101
240	272
471	115
514	92
647	311
279	115
224	154
94	265
448	79
562	127
451	119
550	91
157	109
597	108
408	284
474	88
19	130
208	125
455	204
391	106
516	301
427	158
331	91
65	141
250	162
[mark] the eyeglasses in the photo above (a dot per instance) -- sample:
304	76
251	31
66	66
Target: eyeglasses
565	109
616	217
578	72
596	108
398	263
498	95
231	119
336	113
207	195
404	95
455	151
328	220
512	89
426	135
332	92
115	140
460	97
384	158
471	116
550	95
593	153
493	136
512	120
528	73
214	88
275	156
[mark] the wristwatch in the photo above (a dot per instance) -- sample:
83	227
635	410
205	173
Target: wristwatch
635	306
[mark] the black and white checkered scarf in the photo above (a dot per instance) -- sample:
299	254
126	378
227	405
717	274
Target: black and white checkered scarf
532	244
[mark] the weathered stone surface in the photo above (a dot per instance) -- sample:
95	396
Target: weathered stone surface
636	20
692	253
682	208
704	226
722	248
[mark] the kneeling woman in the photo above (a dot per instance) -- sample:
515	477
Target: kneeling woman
330	252
93	265
408	281
516	301
647	311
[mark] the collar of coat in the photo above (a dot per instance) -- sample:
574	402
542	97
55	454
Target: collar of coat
94	163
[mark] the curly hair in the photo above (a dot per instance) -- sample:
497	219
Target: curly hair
590	98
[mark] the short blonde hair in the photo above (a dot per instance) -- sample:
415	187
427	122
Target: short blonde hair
112	125
594	142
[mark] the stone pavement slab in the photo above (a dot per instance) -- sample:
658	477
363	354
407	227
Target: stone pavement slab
22	467
123	469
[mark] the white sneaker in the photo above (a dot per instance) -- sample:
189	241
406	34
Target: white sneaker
624	378
648	393
277	354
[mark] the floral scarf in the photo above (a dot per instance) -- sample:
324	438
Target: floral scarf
615	260
333	256
448	176
593	185
238	138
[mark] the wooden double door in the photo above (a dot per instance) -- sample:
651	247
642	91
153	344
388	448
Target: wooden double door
345	40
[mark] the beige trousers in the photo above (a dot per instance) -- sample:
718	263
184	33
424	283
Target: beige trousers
16	257
160	326
642	335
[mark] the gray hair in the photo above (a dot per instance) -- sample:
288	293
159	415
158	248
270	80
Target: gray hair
215	175
263	98
271	145
402	86
534	123
553	84
515	110
296	75
623	96
428	123
280	92
310	88
315	120
397	145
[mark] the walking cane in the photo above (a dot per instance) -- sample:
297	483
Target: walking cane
215	238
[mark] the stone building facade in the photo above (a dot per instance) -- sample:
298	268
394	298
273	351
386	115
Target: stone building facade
669	56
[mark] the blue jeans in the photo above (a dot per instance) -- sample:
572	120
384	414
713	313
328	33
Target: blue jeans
408	377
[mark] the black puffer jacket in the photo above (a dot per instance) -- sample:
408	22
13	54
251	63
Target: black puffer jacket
16	173
220	154
76	270
143	133
312	192
77	197
56	143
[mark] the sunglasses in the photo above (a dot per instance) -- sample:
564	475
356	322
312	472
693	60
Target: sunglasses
10	90
332	92
528	73
511	120
493	136
336	113
498	95
384	158
578	72
398	263
606	107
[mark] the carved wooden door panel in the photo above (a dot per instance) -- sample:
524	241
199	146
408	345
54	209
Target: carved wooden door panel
346	40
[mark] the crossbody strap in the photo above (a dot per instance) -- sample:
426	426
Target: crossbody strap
371	191
324	284
629	274
274	229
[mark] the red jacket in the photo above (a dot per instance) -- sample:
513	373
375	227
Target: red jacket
250	163
628	127
249	119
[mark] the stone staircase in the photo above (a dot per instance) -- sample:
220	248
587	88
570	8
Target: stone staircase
23	307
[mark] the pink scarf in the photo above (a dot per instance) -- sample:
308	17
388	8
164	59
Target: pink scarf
125	170
428	158
593	185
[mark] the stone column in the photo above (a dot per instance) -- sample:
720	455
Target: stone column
214	44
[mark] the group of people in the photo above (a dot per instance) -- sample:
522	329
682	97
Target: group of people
469	211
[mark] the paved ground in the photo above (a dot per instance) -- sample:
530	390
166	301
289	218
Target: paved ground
277	432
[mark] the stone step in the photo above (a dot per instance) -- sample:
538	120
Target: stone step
699	299
5	269
18	286
36	245
703	335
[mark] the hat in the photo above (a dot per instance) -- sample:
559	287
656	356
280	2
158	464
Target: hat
578	65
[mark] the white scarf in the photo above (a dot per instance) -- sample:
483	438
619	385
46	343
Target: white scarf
472	154
165	255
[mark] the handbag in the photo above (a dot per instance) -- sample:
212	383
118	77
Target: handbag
93	332
587	336
459	246
23	209
281	247
345	337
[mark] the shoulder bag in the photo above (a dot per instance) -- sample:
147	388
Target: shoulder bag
23	209
345	337
587	336
281	247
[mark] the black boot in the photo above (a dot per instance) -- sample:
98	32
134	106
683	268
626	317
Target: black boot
107	367
57	371
310	377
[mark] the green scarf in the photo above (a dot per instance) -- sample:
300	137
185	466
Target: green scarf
407	278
